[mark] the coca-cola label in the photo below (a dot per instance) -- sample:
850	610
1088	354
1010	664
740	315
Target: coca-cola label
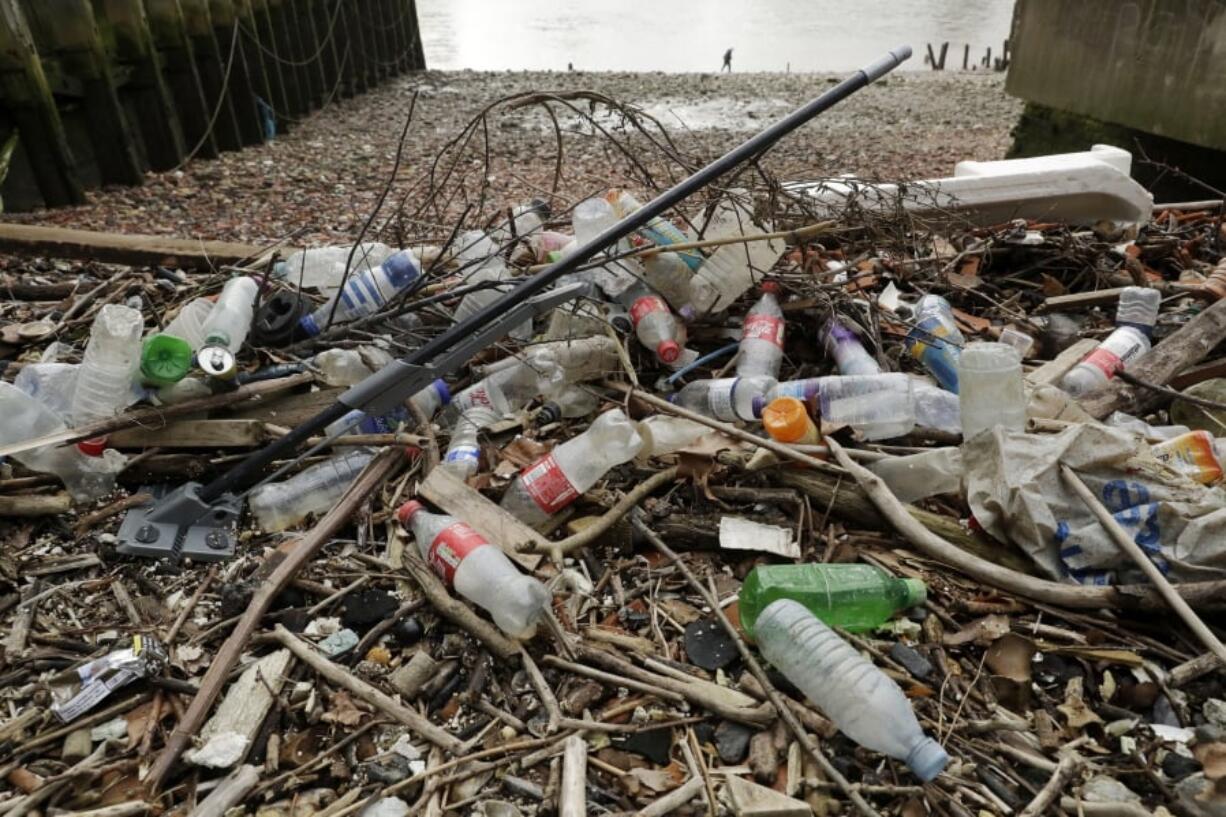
478	395
450	547
1105	360
548	486
764	327
645	306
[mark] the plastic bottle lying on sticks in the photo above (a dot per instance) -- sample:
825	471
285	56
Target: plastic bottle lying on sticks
429	400
323	268
280	505
761	352
936	341
364	293
562	476
654	323
479	571
1134	318
844	347
104	379
227	327
853	597
727	398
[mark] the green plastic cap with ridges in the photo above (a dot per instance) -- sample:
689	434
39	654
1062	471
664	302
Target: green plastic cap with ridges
165	360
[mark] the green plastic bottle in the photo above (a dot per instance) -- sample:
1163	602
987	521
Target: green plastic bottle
854	597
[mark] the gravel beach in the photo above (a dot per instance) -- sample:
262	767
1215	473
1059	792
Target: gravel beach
322	178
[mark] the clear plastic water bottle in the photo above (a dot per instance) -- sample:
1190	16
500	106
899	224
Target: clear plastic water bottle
590	218
879	406
364	293
104	380
559	478
844	347
728	398
323	268
479	571
346	367
936	340
762	337
934	407
227	327
569	403
280	505
508	390
189	323
429	400
990	392
654	323
87	477
51	384
525	220
498	279
463	457
862	701
1135	317
919	476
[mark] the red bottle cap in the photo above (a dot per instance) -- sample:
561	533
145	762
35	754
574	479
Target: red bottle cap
771	287
668	351
405	512
92	447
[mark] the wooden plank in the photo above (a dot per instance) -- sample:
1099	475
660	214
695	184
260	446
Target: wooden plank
456	498
1050	372
289	410
1199	374
117	248
1081	300
194	434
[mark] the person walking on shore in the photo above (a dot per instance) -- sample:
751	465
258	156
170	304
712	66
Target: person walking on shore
727	62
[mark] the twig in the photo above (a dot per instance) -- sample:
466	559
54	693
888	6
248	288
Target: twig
572	798
1066	769
1125	543
90	520
672	801
228	794
456	611
776	700
616	680
548	699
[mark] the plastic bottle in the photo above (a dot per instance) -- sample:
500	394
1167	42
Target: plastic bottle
787	420
559	478
104	380
862	701
844	347
654	323
728	398
919	476
878	406
762	337
991	393
1138	307
590	218
463	457
1135	316
280	505
429	400
479	571
1193	454
730	269
934	407
853	597
665	434
227	326
323	268
525	220
510	389
86	477
569	403
935	341
345	367
1117	419
364	293
659	230
1021	342
51	384
189	323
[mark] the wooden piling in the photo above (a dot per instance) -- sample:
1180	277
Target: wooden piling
287	56
66	32
242	85
253	58
267	41
179	61
313	48
125	31
27	94
418	54
215	70
966	57
361	47
353	68
328	26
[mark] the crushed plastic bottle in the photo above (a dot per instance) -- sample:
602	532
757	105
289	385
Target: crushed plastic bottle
934	407
189	323
844	347
733	268
104	380
479	571
227	327
281	505
86	477
761	351
664	434
919	476
787	420
569	403
51	384
654	323
364	293
510	389
1119	419
935	341
862	701
728	398
1135	317
991	393
345	367
878	406
323	268
562	476
429	400
853	597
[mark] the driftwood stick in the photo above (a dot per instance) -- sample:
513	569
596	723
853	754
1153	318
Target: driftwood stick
457	611
616	680
1066	770
674	800
35	504
277	571
90	520
129	809
572	798
589	534
1077	597
776	700
228	794
1126	543
341	677
543	691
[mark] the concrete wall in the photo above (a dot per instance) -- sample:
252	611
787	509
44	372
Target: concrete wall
1155	65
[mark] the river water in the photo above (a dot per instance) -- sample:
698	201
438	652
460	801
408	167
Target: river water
692	35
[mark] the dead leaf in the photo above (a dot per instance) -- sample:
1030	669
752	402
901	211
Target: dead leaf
1052	286
522	451
698	468
139	722
343	711
657	780
680	611
1074	707
981	631
1010	656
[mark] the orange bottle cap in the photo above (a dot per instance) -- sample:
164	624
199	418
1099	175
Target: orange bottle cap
786	419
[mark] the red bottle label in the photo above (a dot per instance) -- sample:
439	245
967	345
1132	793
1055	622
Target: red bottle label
1105	360
764	327
450	547
548	486
645	306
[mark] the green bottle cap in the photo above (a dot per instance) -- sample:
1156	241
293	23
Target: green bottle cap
917	592
165	360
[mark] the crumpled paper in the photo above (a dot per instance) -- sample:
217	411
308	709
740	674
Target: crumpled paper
1016	493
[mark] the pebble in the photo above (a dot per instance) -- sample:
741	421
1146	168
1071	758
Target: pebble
732	741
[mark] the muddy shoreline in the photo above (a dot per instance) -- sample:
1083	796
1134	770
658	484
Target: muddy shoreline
322	178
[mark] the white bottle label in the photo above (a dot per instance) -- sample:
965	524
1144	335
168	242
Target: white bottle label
548	486
1119	349
720	399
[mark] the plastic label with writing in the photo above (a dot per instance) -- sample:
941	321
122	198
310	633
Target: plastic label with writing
764	327
548	486
645	306
450	547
